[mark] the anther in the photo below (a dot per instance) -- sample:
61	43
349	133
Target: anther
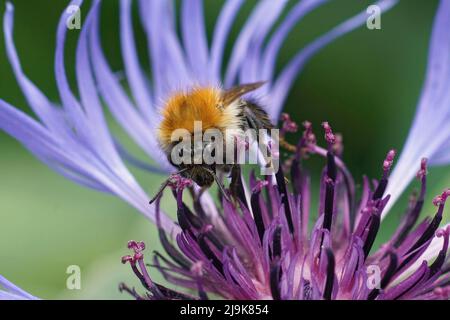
329	135
274	152
440	200
137	247
443	293
175	181
443	232
259	186
423	169
126	259
329	181
288	125
371	208
178	182
308	141
387	163
308	134
197	269
207	228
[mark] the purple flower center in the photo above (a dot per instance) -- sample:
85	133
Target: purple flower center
260	246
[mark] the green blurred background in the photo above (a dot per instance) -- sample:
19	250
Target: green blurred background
366	84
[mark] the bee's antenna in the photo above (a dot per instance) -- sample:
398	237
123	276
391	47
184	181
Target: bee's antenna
222	188
165	184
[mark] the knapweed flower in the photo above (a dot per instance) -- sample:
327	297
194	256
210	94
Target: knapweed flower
430	133
261	246
73	138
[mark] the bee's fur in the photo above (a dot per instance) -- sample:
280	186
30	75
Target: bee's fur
201	104
215	108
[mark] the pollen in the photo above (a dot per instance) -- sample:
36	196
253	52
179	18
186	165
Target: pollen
202	104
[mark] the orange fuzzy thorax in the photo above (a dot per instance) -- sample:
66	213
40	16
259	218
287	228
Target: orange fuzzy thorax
200	104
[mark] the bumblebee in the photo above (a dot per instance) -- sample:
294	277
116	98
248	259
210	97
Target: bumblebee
223	110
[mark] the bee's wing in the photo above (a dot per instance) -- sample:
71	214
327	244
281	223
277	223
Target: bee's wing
235	93
256	117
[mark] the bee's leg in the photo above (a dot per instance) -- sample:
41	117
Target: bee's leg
165	184
161	190
219	184
222	189
220	177
236	186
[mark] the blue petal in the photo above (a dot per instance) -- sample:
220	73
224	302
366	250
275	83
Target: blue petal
429	136
170	71
194	38
50	116
69	102
442	157
284	82
136	79
135	161
275	43
221	31
101	141
86	155
13	292
118	102
255	29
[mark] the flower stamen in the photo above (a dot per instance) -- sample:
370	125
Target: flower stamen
330	137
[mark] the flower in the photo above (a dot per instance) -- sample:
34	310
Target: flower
429	135
13	292
262	248
73	138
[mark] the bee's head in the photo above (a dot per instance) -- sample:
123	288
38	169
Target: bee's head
209	106
200	175
183	111
187	152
